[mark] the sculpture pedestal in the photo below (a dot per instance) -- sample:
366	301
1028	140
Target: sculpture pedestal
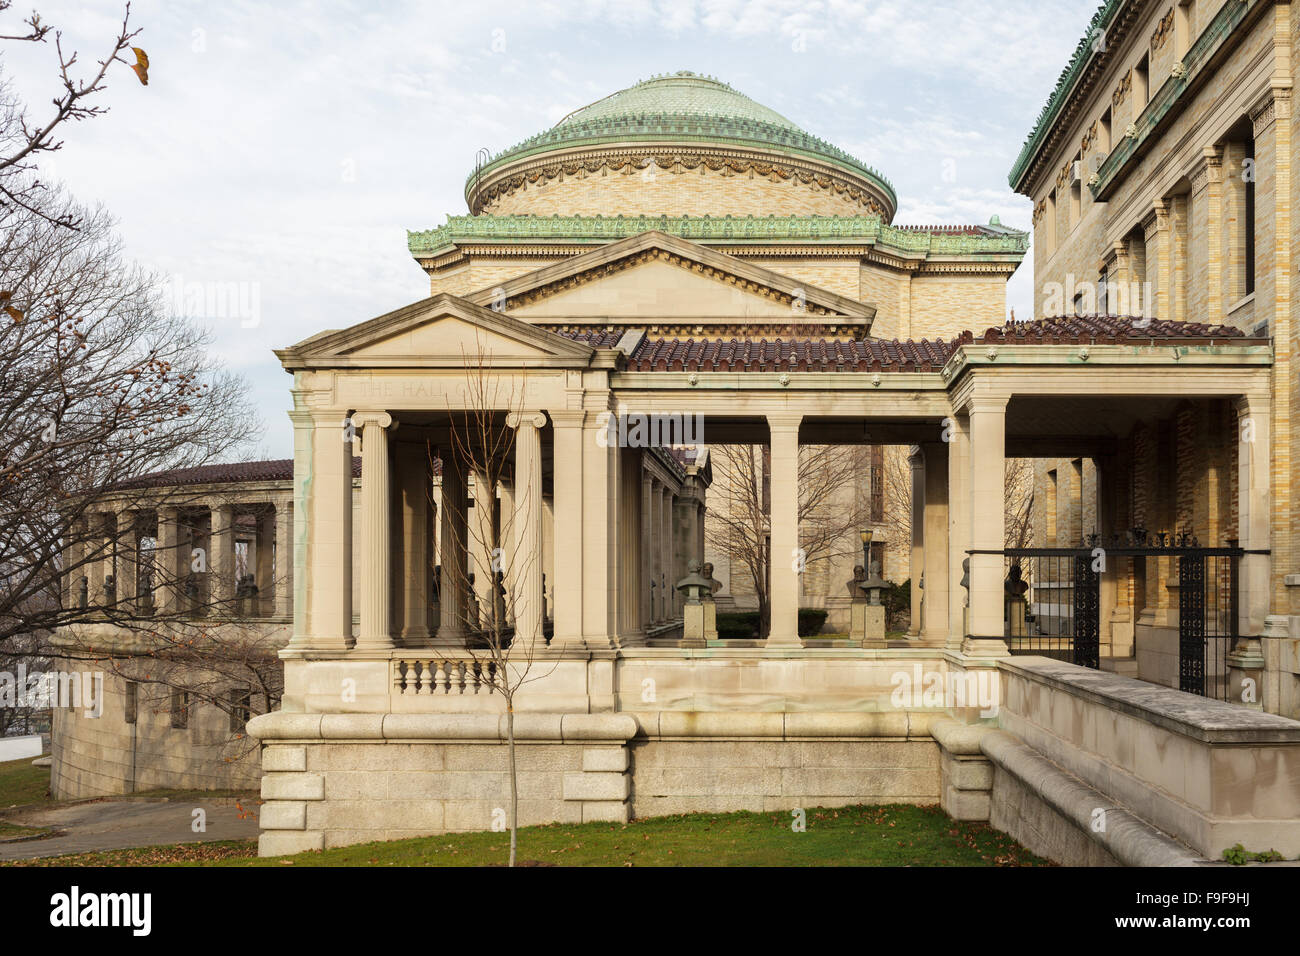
710	621
1246	674
867	628
693	625
1015	610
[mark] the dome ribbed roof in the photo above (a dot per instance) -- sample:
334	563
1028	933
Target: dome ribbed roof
678	94
682	107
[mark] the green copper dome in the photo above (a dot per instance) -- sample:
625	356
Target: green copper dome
677	94
682	109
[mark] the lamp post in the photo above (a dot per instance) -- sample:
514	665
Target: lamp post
866	549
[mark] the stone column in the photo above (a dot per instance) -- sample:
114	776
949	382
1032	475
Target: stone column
936	595
415	486
1254	496
1207	180
1117	292
987	522
600	513
221	560
169	561
265	574
1246	662
567	482
1160	258
453	555
509	546
784	519
284	556
128	562
633	581
96	535
647	551
376	511
666	589
958	431
917	557
322	514
482	542
527	555
684	535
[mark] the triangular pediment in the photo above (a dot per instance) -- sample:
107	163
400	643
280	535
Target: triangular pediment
655	276
441	331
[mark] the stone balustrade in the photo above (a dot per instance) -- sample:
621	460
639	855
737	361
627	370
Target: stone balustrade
429	675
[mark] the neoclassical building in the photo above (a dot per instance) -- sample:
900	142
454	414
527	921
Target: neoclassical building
678	255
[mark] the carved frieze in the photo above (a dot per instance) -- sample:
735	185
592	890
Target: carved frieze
677	163
1163	31
1122	89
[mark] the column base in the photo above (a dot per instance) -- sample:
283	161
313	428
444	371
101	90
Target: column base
319	643
417	637
985	647
787	640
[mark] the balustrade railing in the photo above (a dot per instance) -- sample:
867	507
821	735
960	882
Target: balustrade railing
432	675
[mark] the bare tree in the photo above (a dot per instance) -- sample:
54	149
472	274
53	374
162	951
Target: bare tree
1020	502
483	445
98	386
737	521
1019	499
23	140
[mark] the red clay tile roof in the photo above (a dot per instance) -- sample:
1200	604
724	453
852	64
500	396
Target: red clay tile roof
596	338
797	354
1098	329
278	469
812	354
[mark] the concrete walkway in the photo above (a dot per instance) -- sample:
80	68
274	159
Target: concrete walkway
118	824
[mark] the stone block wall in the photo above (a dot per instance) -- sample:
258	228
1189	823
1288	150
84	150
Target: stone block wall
336	780
95	756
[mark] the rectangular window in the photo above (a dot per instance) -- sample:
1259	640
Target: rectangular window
1076	190
180	709
1103	133
241	708
1184	25
132	701
1141	85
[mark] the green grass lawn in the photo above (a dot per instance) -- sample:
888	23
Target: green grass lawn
895	835
22	785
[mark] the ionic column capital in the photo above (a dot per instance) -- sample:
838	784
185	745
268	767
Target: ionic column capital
362	418
518	420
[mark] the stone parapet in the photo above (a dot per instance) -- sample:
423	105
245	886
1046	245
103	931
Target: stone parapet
1208	773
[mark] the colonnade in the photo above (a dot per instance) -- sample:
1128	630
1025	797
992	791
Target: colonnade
173	559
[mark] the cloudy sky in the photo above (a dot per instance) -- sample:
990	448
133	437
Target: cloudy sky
289	146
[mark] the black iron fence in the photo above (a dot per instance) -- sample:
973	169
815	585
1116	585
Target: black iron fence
1052	601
